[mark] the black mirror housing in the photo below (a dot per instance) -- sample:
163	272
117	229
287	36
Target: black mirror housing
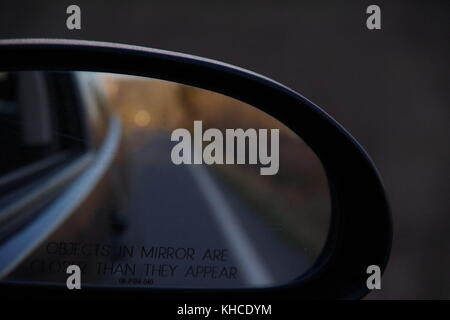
361	228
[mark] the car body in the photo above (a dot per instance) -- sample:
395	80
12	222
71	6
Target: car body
64	171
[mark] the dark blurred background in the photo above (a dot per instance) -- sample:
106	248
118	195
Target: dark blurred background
389	88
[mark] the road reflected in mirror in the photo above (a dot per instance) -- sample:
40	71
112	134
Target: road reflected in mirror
160	185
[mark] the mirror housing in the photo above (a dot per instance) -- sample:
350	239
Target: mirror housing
361	228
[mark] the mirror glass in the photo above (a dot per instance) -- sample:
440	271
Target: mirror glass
148	183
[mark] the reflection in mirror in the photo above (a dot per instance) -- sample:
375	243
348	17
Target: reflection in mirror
147	183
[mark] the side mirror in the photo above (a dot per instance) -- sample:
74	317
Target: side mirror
291	204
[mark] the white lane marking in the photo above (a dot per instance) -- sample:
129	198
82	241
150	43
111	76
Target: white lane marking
250	263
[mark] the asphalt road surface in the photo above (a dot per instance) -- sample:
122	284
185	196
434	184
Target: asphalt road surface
187	229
